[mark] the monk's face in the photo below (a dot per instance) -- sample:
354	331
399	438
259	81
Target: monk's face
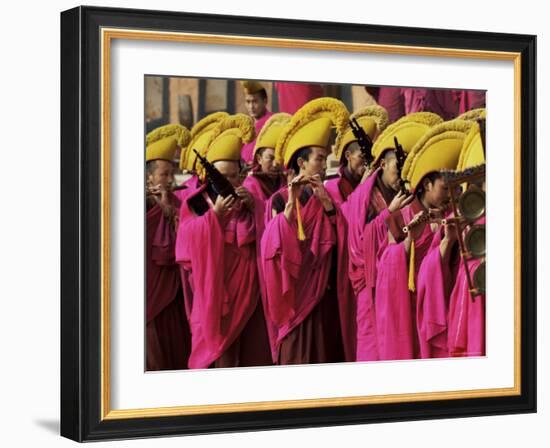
230	170
390	175
162	174
437	193
355	160
266	160
316	162
255	105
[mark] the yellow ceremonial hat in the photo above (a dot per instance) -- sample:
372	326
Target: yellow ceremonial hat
474	114
408	130
161	143
438	149
373	120
472	152
268	136
251	87
228	137
310	126
200	137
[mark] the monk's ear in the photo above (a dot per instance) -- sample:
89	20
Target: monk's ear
347	154
383	163
300	162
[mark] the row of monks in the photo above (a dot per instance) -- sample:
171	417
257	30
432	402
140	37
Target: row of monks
296	269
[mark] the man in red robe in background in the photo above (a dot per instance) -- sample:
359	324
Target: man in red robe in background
372	119
255	100
216	248
168	339
299	240
293	95
400	334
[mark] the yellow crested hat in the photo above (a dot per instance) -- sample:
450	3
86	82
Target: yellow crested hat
251	87
228	137
474	114
310	126
408	130
271	130
438	149
472	153
200	137
373	120
161	143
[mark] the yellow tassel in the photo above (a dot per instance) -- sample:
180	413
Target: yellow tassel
301	233
412	287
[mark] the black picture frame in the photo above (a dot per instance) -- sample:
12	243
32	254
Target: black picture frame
81	208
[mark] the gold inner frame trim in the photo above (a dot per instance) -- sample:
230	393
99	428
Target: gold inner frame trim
107	35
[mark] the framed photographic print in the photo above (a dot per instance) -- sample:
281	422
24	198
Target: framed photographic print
277	224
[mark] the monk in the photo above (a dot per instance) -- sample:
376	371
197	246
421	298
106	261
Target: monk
397	327
293	95
255	100
353	169
216	248
266	176
299	242
168	339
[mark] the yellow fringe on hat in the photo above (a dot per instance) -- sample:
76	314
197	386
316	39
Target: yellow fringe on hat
278	119
251	87
327	107
197	130
412	286
385	139
378	114
240	124
181	133
448	130
473	115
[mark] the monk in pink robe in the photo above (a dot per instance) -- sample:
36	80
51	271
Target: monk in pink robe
339	189
293	95
216	248
301	301
255	101
466	318
168	339
391	99
470	99
396	298
265	178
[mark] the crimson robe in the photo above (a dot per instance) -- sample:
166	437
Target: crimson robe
300	302
167	332
293	95
247	152
340	190
395	308
442	102
367	239
218	265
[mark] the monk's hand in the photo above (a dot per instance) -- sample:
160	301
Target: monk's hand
223	206
399	201
245	196
320	191
368	171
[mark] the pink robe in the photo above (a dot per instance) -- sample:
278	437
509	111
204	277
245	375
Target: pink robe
296	276
466	334
218	261
470	99
247	152
435	281
391	99
395	304
293	95
339	190
260	189
168	338
366	240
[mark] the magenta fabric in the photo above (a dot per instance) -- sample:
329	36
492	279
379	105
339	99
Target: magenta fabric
392	100
296	273
443	102
293	95
395	304
247	152
434	278
470	99
219	265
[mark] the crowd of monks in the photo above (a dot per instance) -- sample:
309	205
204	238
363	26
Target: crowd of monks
293	268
